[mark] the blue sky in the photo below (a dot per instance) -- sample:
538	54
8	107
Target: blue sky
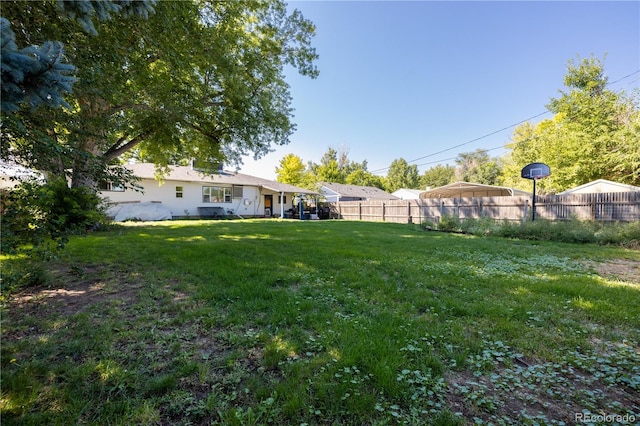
409	79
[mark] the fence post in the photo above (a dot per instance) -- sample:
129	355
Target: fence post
359	211
526	211
383	207
409	218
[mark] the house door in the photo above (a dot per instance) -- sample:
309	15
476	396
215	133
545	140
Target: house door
268	205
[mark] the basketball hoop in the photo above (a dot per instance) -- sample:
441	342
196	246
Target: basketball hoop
535	171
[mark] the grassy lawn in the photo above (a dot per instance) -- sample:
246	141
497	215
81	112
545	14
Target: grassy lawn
333	322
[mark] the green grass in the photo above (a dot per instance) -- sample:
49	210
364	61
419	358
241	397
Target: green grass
332	322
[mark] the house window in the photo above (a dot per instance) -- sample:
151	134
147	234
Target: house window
108	186
179	191
216	194
238	191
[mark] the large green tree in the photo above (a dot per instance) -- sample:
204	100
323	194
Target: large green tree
291	170
624	155
592	135
478	167
329	169
196	79
334	166
361	176
436	176
402	175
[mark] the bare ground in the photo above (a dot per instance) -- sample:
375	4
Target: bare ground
618	269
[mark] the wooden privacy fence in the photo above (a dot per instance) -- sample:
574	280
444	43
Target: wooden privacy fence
614	206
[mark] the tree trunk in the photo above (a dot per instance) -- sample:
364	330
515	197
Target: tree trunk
86	161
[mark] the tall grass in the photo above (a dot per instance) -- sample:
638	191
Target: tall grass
571	231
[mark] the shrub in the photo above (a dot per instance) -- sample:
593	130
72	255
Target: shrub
22	273
572	231
481	226
575	231
449	224
428	225
36	214
626	234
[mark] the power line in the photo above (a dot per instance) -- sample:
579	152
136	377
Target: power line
450	158
453	158
468	142
489	134
481	137
622	78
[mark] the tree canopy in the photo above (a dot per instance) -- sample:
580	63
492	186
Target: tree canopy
402	175
477	166
438	175
291	170
193	79
363	177
334	166
592	135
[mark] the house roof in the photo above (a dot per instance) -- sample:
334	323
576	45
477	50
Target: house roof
470	189
601	185
10	170
11	174
189	174
355	191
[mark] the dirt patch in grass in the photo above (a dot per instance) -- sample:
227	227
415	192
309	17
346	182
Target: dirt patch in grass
480	397
73	290
618	269
539	392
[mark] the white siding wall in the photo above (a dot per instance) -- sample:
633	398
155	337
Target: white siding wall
405	194
192	198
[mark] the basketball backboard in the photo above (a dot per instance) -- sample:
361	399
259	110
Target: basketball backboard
535	171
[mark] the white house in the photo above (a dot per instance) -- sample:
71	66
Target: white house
407	194
340	192
599	186
187	192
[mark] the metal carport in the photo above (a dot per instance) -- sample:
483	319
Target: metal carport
470	189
